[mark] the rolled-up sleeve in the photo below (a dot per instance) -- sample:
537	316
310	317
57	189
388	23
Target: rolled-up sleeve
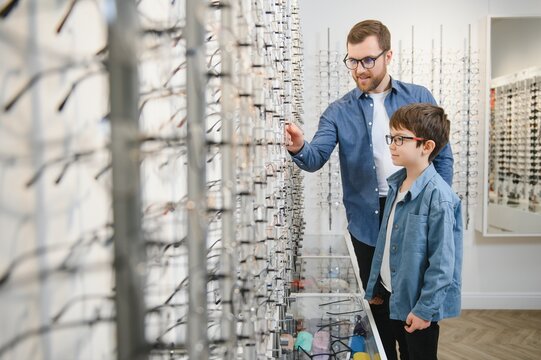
315	154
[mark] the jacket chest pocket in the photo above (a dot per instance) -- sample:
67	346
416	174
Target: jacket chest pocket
416	234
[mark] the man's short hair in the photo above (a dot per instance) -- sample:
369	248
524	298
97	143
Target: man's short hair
360	31
426	121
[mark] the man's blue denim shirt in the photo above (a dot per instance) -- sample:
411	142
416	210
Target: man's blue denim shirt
348	122
425	249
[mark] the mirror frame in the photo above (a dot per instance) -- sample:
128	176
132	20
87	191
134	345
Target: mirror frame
485	110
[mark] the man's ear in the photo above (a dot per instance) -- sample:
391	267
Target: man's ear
388	57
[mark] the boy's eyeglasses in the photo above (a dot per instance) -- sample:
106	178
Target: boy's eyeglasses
398	140
366	62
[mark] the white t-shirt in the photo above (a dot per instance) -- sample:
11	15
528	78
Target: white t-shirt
382	154
385	271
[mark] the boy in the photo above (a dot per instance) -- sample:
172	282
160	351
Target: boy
418	256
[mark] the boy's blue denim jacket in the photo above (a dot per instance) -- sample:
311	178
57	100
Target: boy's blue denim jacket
425	249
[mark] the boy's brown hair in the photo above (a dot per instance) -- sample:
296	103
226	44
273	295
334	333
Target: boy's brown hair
426	121
360	31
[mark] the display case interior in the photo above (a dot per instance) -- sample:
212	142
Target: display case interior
328	317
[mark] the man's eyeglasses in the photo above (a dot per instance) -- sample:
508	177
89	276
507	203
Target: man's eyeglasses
399	140
366	62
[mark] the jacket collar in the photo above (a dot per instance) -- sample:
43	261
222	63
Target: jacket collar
398	178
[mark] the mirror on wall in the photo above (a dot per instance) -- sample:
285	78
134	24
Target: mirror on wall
512	203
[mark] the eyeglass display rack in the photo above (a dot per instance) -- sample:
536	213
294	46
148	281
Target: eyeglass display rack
184	249
514	175
333	81
452	75
327	313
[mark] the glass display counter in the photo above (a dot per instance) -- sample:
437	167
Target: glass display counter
327	274
328	317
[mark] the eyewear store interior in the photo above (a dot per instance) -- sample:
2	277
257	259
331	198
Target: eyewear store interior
150	210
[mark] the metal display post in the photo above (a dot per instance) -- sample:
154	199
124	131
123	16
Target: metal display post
128	241
227	47
198	347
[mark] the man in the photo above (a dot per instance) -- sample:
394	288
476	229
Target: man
358	122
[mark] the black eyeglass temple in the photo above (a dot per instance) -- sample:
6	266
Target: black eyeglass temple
7	8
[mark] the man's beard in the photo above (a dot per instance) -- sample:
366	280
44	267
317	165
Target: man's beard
373	83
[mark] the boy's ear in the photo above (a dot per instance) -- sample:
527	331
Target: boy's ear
429	146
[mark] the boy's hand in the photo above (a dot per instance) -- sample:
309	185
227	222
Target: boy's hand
415	323
376	300
294	138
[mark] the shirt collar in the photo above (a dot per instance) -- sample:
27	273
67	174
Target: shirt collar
419	184
359	94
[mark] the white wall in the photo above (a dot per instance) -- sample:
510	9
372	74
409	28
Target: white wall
497	272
